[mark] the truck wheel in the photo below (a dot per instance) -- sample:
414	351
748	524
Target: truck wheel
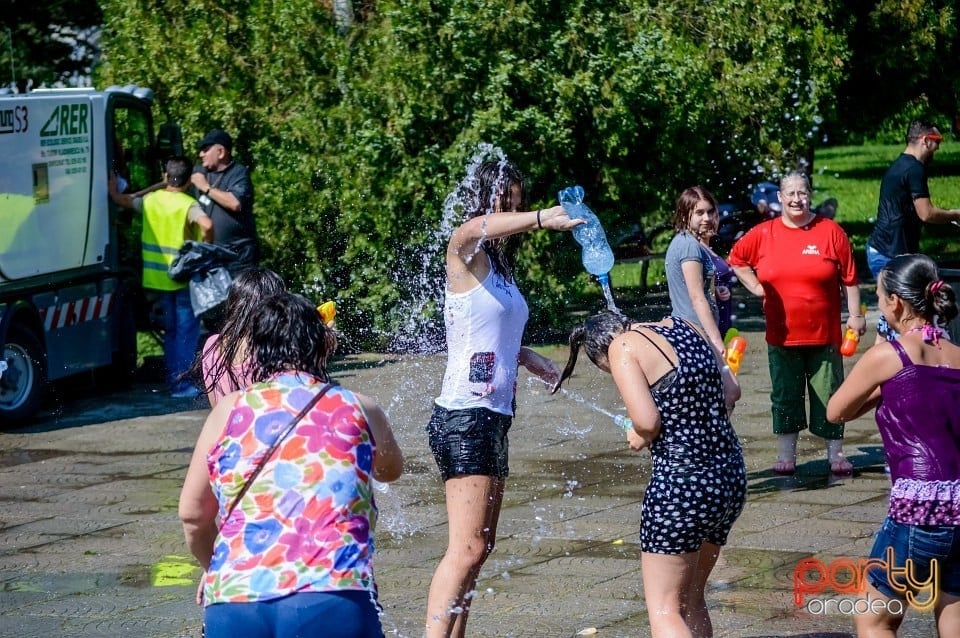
24	382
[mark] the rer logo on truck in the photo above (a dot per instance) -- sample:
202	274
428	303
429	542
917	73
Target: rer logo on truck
66	119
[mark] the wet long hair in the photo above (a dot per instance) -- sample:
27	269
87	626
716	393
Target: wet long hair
687	202
595	335
247	291
287	334
915	279
493	182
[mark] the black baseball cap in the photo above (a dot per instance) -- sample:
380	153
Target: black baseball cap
216	136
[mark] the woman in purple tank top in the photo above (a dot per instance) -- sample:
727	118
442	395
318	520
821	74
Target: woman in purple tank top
914	384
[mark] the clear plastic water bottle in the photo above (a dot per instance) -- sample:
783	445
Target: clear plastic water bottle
597	255
623	422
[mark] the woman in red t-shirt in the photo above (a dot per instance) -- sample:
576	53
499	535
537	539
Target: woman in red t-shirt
798	263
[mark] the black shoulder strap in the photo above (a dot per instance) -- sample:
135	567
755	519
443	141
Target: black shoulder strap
654	344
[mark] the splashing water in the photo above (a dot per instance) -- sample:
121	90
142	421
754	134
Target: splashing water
608	295
621	421
392	518
421	332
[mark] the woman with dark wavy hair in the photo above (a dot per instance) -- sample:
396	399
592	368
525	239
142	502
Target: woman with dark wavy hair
914	384
281	519
222	362
484	316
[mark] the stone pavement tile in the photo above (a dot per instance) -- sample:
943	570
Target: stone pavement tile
27	626
823	494
823	535
551	615
93	553
566	557
864	512
527	522
856	547
401	520
93	464
872	479
32	483
22	565
48	532
759	514
143	625
415	549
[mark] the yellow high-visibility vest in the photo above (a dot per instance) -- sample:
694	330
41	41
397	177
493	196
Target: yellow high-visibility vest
164	224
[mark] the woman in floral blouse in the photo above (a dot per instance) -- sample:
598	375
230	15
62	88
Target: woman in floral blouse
294	555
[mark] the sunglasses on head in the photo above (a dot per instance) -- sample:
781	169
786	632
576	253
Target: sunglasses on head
933	137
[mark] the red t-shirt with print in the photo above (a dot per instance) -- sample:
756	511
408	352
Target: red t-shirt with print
802	271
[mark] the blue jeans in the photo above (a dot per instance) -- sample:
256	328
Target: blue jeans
876	261
346	614
181	332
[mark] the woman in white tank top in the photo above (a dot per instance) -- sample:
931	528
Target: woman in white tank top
484	315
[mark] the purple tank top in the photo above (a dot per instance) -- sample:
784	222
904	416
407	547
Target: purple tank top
919	420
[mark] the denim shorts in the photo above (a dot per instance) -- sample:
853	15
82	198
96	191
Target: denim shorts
347	613
921	544
469	441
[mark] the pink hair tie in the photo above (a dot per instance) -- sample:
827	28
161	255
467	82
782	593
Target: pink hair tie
932	334
935	286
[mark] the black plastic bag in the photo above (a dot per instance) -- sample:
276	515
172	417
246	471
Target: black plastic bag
197	258
208	290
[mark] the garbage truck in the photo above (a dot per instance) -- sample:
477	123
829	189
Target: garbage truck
70	296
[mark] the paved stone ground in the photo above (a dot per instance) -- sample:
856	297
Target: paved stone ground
90	545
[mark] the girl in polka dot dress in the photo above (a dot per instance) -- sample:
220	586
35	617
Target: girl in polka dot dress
668	377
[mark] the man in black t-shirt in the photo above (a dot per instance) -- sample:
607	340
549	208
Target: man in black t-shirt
225	193
904	203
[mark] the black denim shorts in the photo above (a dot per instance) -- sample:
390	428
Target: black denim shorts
469	441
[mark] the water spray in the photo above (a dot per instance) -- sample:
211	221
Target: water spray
622	422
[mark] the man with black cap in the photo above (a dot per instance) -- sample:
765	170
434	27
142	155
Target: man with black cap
225	193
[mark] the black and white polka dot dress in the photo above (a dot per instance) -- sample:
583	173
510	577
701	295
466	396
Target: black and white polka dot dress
699	481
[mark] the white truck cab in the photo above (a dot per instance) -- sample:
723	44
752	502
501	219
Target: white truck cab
70	297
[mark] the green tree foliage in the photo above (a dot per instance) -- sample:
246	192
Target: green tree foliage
52	43
903	66
357	138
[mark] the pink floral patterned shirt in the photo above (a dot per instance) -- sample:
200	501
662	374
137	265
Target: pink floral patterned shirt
306	523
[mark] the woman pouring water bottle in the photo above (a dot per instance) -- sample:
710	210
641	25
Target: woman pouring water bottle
484	315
